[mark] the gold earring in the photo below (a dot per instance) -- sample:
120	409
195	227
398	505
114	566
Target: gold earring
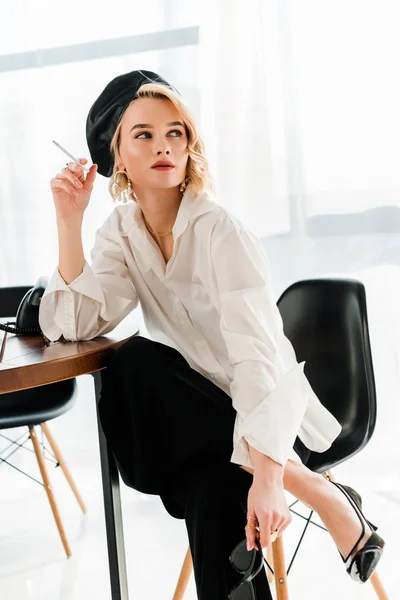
130	192
127	192
183	185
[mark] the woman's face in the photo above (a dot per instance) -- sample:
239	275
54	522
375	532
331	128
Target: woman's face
152	130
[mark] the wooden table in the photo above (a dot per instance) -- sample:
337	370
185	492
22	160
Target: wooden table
27	362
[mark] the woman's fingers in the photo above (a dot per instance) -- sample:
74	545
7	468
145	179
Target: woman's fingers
73	180
58	185
77	171
265	536
264	533
283	525
86	178
267	531
88	184
67	174
251	531
269	536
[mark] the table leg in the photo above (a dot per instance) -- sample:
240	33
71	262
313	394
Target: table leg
112	509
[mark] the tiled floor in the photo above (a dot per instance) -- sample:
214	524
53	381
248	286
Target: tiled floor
33	566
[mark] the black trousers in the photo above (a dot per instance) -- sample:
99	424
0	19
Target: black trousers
171	430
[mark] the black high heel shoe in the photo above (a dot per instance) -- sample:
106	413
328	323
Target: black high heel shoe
361	565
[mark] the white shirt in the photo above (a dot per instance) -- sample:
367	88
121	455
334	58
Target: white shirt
213	303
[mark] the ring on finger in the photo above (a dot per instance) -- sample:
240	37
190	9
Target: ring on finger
256	528
256	524
274	535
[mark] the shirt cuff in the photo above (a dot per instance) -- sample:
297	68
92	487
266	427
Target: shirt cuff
272	427
85	283
241	455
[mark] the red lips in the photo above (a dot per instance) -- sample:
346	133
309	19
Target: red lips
162	163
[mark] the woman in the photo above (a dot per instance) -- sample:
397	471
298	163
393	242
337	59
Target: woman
218	386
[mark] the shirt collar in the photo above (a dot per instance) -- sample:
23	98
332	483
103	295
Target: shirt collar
190	208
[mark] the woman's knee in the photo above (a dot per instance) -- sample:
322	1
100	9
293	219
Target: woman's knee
218	486
138	351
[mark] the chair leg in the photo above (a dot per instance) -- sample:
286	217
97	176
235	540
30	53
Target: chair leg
184	576
270	560
281	586
331	476
63	465
374	579
49	490
378	587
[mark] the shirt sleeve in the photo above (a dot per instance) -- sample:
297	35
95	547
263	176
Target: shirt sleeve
95	301
269	389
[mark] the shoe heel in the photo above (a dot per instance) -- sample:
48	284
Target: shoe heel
362	564
365	560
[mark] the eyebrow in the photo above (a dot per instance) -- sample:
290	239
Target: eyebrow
148	126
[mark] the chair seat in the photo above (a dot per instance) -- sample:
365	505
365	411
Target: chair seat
36	405
350	442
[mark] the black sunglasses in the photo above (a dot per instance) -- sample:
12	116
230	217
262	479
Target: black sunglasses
248	563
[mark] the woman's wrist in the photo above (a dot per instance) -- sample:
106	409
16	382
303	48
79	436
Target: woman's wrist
70	223
71	258
265	467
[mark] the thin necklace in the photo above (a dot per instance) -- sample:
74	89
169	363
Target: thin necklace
152	230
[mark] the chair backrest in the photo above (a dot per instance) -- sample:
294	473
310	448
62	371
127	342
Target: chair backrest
10	298
326	321
33	405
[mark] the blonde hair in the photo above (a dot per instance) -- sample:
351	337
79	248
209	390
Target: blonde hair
198	175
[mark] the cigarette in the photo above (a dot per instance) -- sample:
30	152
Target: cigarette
70	155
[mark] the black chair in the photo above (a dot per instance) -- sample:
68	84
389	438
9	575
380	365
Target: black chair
33	407
326	321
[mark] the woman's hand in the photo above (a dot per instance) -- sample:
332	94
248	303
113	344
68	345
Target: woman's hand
267	503
71	190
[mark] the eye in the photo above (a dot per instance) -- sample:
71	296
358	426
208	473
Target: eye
176	131
140	134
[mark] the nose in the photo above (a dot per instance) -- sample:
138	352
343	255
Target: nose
166	151
161	146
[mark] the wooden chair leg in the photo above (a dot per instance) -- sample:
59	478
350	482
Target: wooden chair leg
378	587
62	464
374	579
270	560
184	576
49	490
331	476
281	586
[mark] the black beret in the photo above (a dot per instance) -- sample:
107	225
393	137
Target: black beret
106	112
